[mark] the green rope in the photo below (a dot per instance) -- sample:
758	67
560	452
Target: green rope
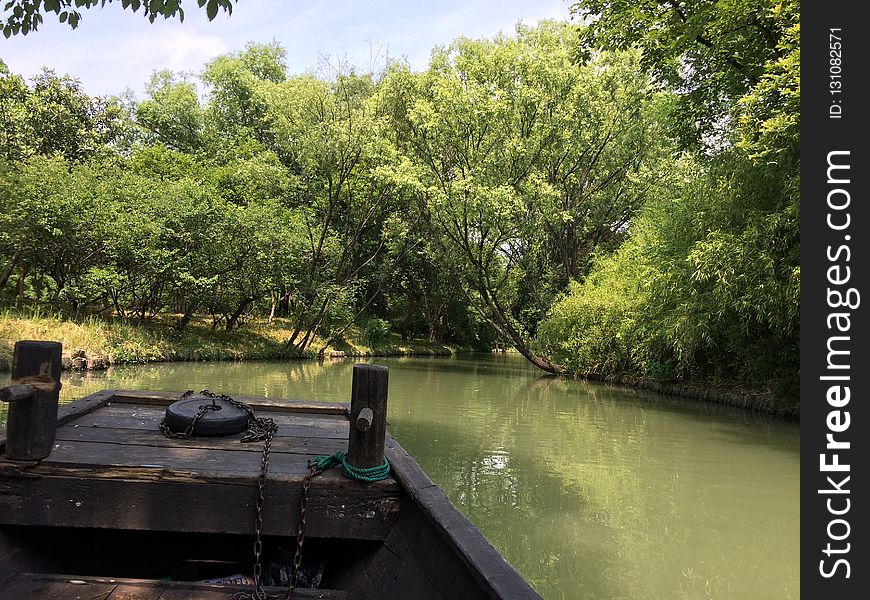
368	475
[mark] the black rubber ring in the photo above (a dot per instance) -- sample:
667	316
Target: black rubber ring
228	420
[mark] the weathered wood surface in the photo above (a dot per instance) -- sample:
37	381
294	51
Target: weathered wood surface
70	412
32	418
368	413
335	509
111	467
14	559
272	404
319	440
72	587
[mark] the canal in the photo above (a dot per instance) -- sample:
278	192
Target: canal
590	491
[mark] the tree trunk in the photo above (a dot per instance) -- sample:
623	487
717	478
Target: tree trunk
274	297
541	362
185	319
233	319
22	273
498	319
10	269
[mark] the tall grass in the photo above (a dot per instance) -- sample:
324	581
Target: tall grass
118	341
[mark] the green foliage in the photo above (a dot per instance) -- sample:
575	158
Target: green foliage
14	126
596	329
675	302
172	114
525	190
55	116
527	162
717	258
712	52
54	222
163	163
375	331
237	83
25	16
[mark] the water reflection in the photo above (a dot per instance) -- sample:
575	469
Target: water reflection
591	491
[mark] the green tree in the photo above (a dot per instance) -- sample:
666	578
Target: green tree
711	52
55	116
237	83
14	125
347	188
57	225
24	16
172	114
711	271
528	162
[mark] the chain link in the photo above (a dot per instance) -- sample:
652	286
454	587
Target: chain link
259	429
300	533
164	427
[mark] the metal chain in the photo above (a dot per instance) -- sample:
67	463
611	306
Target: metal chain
300	533
259	429
164	427
258	521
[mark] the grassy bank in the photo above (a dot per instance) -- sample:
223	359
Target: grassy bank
98	343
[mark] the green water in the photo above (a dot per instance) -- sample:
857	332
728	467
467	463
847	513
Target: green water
590	491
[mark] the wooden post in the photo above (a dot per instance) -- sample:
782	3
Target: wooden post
32	397
368	416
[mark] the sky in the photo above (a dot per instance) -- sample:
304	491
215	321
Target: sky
115	49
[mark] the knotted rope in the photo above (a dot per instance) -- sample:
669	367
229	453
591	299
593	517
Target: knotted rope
368	475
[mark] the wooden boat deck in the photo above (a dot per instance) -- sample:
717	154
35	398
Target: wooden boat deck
116	508
111	467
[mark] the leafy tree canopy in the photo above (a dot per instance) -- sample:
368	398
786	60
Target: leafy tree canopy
54	116
528	163
712	52
24	16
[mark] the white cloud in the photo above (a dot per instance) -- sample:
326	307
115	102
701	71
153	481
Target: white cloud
176	49
114	49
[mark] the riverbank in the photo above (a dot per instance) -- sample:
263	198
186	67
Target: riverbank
728	394
94	344
98	343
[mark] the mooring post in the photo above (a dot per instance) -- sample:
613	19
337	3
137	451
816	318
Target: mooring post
368	416
32	419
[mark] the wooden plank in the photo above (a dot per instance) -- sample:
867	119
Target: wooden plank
416	558
203	461
153	438
273	404
9	557
488	566
338	507
147	418
399	576
155	413
141	589
74	410
83	406
12	558
58	590
127	591
416	538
